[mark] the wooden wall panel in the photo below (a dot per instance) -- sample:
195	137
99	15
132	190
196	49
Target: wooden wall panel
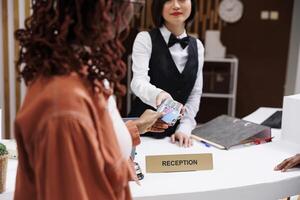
11	13
16	45
5	53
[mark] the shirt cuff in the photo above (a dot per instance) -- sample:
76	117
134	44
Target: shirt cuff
153	97
184	128
134	132
132	171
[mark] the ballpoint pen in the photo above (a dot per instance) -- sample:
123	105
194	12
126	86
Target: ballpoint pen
205	143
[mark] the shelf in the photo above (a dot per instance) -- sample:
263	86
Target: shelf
229	60
220	97
215	95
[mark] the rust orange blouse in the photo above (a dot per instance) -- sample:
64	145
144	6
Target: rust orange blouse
67	146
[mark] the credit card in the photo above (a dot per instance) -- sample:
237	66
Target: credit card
171	110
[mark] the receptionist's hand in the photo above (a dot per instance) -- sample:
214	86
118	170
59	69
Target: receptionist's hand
182	138
161	97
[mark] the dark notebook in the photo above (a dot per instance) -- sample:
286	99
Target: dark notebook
274	121
225	132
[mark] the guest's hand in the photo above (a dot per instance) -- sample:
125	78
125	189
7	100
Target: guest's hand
161	97
182	138
150	121
288	163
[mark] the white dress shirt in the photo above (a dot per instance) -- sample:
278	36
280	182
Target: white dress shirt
141	86
122	133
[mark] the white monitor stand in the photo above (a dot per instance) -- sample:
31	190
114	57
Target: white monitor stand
291	118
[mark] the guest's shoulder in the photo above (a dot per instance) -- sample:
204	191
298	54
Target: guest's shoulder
67	88
59	93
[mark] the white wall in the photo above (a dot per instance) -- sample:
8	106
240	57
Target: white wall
21	24
297	87
293	70
11	61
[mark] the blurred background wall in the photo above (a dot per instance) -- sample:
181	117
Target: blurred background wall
12	15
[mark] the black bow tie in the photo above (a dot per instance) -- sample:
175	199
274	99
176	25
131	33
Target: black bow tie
183	42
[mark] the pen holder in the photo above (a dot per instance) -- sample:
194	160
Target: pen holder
3	171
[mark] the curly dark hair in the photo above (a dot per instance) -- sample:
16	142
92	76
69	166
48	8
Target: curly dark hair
62	36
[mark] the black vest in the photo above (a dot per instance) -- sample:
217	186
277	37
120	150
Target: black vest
165	75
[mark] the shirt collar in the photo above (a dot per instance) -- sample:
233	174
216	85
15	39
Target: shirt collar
166	33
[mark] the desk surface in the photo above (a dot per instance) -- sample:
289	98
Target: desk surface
245	171
239	173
